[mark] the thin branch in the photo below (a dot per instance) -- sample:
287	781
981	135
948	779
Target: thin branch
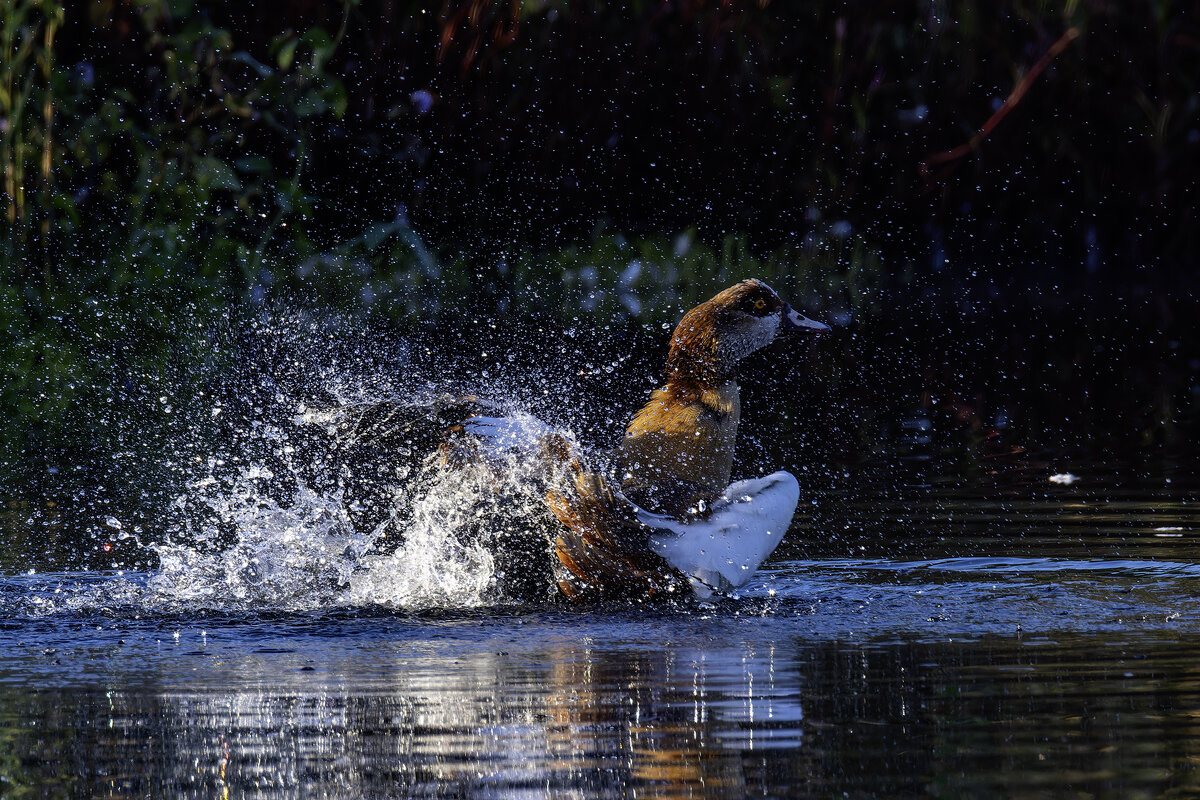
948	159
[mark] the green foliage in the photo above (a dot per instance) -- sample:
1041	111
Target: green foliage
389	272
389	162
27	82
200	167
656	277
165	203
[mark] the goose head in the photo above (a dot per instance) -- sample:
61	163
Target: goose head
714	336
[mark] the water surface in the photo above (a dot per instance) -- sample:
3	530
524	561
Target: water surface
922	636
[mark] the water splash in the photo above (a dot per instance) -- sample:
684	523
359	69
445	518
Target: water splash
439	536
292	556
249	502
293	512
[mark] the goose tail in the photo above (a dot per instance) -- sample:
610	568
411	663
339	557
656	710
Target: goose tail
603	550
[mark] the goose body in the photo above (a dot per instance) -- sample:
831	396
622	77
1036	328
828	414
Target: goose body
669	522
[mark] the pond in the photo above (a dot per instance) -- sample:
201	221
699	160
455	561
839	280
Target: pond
924	634
229	228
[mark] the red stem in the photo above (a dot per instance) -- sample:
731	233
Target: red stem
949	158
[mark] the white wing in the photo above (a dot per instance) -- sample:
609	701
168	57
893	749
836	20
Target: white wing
722	552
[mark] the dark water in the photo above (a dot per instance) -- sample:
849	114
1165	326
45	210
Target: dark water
968	637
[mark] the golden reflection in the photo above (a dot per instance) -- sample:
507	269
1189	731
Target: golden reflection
1111	716
602	722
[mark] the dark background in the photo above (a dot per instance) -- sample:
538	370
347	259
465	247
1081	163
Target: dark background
497	129
181	177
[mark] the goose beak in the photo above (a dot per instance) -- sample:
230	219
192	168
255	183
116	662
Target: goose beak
793	320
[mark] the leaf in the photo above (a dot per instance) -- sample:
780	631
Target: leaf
243	57
287	53
217	174
259	164
311	104
322	46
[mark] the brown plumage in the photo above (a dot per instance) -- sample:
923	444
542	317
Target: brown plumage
678	450
712	337
602	549
677	454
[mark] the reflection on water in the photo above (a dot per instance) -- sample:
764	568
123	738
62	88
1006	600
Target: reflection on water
989	638
338	710
347	713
